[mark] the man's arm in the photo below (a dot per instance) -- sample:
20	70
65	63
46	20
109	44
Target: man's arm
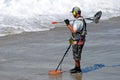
69	25
70	28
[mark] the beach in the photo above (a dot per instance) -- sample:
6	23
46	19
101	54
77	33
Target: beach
30	55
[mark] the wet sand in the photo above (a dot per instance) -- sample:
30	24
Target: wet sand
29	56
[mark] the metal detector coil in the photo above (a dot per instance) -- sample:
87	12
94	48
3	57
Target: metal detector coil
97	16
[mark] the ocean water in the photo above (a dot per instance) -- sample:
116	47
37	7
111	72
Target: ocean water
17	16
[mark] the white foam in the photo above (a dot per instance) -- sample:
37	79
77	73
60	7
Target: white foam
35	15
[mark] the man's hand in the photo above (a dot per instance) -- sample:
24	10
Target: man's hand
67	22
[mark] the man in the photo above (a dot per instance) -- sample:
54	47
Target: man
78	30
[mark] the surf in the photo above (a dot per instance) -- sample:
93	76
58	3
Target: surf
17	16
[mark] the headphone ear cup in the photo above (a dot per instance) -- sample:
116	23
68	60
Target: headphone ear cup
74	13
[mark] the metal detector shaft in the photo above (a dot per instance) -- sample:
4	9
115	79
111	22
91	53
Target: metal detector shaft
63	57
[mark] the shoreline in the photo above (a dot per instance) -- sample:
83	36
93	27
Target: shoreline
114	19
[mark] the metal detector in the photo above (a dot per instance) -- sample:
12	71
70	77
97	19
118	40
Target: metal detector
95	18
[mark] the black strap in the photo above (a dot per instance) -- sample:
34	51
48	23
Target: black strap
84	26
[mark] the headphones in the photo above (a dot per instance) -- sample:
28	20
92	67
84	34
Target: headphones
74	13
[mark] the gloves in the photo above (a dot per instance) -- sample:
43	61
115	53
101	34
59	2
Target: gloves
67	22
